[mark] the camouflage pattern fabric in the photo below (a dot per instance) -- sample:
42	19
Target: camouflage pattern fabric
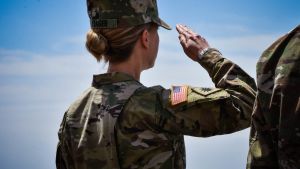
275	128
123	13
149	131
87	133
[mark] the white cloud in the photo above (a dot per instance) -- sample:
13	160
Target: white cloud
23	63
217	152
244	44
75	41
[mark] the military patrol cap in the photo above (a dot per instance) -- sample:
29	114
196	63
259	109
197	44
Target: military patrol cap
123	13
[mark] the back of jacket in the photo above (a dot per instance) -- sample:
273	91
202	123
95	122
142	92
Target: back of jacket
275	130
86	135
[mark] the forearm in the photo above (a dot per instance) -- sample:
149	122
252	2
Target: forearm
225	73
230	77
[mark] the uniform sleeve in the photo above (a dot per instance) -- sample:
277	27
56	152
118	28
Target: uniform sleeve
63	153
207	111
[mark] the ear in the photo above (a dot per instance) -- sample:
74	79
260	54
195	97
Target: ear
145	39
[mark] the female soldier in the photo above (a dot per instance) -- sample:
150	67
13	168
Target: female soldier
119	123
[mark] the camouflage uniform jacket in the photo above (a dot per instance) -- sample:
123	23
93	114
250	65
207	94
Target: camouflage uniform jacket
275	128
148	133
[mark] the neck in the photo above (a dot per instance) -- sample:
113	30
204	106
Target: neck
132	67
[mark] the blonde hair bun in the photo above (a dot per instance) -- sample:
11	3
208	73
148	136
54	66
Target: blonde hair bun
96	44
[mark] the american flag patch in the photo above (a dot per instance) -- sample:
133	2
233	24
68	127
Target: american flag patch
178	94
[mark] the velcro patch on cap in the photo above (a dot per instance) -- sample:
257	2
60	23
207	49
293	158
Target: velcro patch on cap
178	94
104	23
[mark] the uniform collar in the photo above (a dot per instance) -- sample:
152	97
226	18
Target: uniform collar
108	78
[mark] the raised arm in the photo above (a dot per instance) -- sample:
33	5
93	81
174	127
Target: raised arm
199	111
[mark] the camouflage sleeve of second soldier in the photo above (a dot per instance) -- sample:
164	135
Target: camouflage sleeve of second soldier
207	111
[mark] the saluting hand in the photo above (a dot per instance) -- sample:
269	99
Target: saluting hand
192	43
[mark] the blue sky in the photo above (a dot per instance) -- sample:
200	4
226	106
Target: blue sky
44	66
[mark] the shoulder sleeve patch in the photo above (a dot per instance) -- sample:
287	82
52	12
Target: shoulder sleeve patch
206	91
178	94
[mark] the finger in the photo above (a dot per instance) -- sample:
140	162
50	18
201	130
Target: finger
189	30
200	41
185	30
197	38
179	28
183	40
182	31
